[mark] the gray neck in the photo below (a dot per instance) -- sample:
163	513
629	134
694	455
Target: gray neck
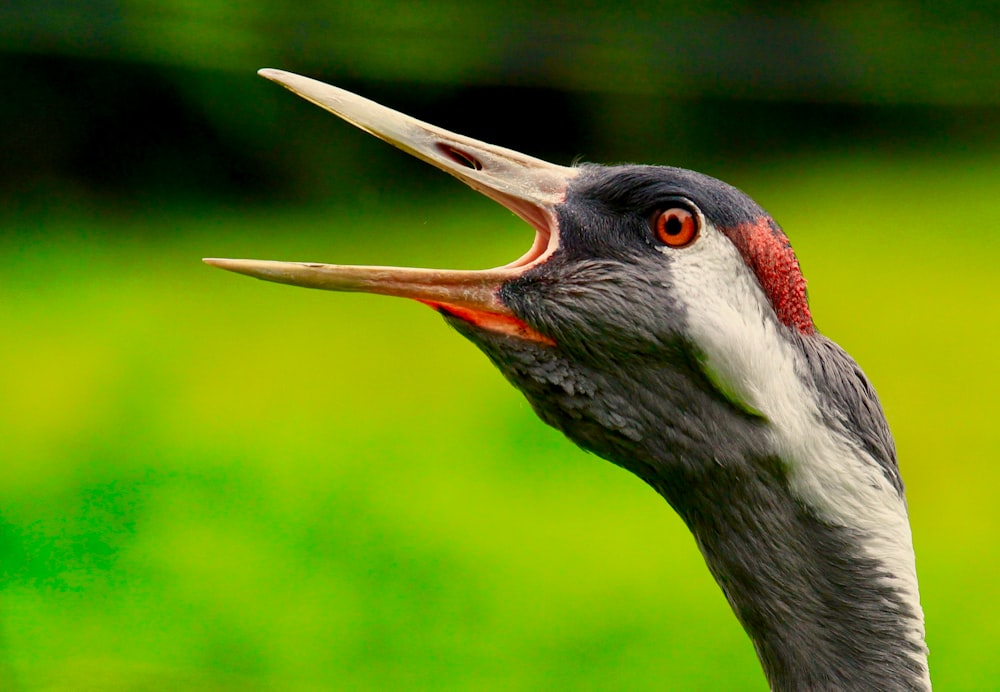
822	613
819	613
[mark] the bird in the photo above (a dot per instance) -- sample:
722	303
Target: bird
660	320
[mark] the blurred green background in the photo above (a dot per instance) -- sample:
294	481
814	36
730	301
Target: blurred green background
214	483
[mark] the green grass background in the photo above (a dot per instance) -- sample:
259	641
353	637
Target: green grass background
215	483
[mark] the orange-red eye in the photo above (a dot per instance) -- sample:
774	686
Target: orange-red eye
676	227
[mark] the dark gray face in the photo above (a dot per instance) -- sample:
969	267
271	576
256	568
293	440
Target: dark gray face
609	291
626	379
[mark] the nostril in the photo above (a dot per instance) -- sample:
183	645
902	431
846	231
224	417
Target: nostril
460	157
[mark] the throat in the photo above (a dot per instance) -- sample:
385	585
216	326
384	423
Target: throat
823	613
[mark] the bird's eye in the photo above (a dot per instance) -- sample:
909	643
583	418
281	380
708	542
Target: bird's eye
676	227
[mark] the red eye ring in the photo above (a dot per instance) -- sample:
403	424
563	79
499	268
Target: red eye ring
676	227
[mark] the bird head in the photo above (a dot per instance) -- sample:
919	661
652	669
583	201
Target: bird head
636	274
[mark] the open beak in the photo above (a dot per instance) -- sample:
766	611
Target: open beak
529	187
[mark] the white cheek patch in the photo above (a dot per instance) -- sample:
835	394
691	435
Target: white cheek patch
730	319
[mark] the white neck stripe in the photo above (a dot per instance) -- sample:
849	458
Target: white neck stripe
732	323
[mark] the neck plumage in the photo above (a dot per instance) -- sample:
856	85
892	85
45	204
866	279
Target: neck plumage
806	527
786	477
822	610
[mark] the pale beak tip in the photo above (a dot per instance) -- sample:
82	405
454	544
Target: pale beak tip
294	273
271	73
233	265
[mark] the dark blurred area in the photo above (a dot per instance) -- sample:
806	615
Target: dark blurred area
141	103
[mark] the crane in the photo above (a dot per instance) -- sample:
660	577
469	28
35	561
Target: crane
660	320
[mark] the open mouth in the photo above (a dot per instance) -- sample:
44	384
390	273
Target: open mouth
541	218
529	187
